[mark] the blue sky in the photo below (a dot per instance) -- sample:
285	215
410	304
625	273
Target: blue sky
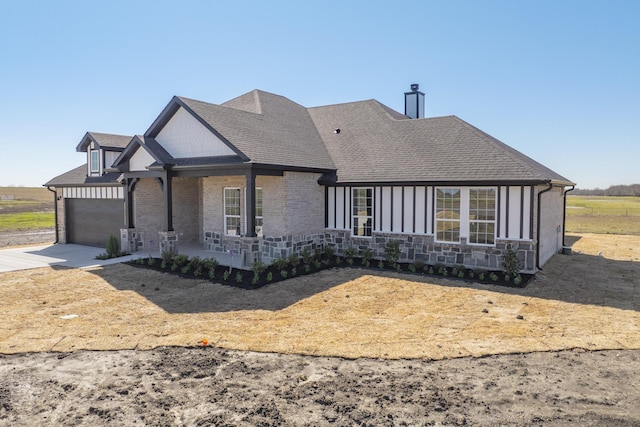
557	80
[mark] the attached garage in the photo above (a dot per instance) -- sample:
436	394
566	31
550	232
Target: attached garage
91	221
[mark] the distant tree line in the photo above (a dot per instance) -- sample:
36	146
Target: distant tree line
614	190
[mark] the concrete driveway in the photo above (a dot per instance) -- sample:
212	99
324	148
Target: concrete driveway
68	255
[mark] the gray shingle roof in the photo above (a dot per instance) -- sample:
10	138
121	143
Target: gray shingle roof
78	177
267	128
104	140
376	145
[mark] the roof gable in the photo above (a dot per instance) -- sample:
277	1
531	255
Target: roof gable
183	136
152	150
105	141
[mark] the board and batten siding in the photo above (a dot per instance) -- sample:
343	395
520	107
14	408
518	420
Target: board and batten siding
409	209
184	137
93	192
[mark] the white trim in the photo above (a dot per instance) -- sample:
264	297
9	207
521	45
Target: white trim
224	212
352	217
261	217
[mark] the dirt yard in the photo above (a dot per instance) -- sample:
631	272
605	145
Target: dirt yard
348	347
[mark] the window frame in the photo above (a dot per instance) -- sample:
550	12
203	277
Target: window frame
227	216
95	170
459	220
483	221
368	219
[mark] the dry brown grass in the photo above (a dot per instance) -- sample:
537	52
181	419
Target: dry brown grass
580	301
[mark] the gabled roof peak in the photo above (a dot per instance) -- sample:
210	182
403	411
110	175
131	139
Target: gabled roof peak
104	140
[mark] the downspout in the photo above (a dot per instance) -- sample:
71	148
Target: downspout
564	215
538	224
55	211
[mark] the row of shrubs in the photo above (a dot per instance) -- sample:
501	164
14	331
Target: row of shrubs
308	262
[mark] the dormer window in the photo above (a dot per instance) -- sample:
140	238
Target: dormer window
95	161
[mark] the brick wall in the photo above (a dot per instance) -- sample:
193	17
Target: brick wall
304	204
148	208
186	215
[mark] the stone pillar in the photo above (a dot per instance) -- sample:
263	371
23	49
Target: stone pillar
130	240
168	242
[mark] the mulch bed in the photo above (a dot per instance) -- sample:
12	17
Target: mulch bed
247	279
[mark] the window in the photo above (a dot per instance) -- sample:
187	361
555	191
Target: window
482	216
95	161
362	202
232	211
448	215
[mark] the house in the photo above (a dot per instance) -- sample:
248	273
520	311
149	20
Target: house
266	177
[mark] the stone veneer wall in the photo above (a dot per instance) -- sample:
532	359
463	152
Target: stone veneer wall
281	247
423	248
412	248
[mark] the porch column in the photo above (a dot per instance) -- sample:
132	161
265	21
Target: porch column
168	201
129	184
251	203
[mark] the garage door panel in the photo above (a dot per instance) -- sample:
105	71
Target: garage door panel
91	221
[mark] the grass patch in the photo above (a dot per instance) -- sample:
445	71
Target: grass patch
603	215
27	221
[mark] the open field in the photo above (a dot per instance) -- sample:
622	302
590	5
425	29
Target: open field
38	194
334	347
603	215
26	211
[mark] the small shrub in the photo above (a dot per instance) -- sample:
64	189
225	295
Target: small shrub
210	263
419	265
212	273
481	276
293	272
185	269
294	260
167	257
255	279
517	280
440	268
280	263
258	267
338	260
445	272
472	274
318	253
284	274
307	268
454	271
163	265
113	246
380	264
307	258
430	271
151	262
328	251
349	254
226	275
367	256
412	268
198	271
398	268
195	262
461	274
493	277
317	264
238	277
510	263
269	277
392	252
